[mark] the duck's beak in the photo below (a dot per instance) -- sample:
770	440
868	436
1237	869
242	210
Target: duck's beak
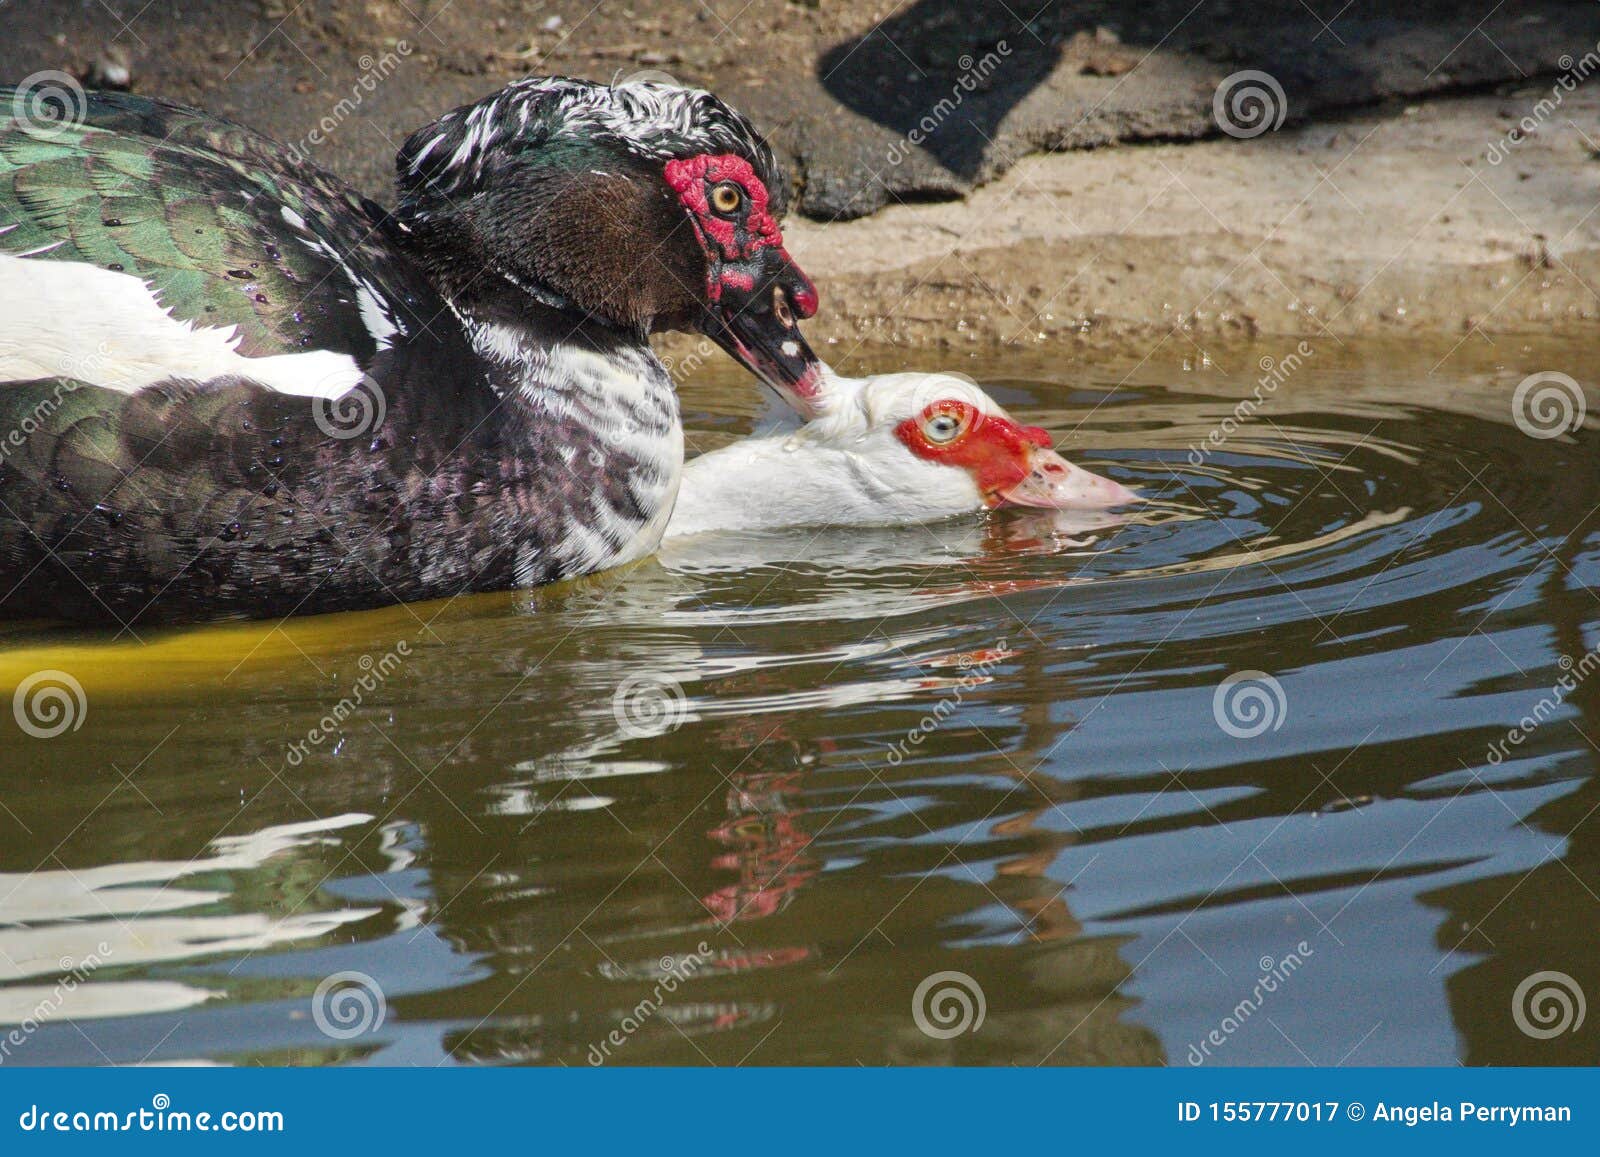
759	328
1055	483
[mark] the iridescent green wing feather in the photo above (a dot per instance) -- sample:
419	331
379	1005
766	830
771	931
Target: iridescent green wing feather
217	219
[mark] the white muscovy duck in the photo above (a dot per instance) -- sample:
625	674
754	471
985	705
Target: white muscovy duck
885	450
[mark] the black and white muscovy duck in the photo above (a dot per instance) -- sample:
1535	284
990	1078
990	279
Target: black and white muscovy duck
231	387
885	450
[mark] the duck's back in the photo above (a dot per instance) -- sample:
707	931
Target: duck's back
216	221
225	391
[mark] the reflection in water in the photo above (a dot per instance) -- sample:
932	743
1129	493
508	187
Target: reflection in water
1501	932
764	833
983	747
110	923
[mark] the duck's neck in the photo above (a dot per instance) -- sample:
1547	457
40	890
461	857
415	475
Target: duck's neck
604	408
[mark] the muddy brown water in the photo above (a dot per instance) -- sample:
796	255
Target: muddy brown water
1281	771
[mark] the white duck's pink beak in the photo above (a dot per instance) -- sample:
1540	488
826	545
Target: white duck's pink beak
1054	483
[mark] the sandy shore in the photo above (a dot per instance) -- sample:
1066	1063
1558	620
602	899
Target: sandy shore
1381	223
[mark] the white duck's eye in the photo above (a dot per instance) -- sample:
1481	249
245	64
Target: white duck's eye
943	428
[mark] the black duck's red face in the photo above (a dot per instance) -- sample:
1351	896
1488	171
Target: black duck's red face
574	194
754	290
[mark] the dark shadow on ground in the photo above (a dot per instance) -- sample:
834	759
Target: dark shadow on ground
943	74
943	95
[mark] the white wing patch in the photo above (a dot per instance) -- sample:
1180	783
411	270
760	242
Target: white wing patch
69	319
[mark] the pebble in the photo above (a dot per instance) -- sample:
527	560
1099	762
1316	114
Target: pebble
112	69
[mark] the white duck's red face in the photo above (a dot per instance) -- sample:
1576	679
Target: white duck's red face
1008	463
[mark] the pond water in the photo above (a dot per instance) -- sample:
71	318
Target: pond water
1262	776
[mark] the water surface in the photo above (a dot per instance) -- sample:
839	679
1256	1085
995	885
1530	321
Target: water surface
737	805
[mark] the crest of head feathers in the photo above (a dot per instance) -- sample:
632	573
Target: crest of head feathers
448	161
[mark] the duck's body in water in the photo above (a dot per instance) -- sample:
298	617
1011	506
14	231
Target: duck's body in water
230	387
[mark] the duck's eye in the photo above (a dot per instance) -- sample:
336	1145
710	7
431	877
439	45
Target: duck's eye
726	197
943	428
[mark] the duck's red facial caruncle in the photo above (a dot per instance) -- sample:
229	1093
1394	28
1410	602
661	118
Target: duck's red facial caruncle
754	290
1010	463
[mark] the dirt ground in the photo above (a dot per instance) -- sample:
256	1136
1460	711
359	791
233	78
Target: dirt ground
1059	176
